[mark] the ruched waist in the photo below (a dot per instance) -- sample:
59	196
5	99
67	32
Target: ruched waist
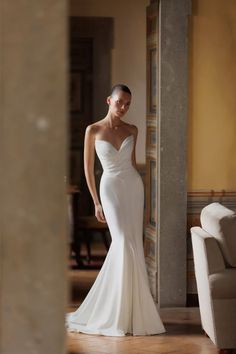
112	171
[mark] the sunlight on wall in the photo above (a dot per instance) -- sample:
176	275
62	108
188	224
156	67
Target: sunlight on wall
212	106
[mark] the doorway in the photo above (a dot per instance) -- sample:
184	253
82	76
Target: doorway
119	57
90	50
90	41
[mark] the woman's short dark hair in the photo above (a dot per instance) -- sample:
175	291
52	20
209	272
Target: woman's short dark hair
120	87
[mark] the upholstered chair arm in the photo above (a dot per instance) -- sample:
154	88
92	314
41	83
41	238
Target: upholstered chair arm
207	248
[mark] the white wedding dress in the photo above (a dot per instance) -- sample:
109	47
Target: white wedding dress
119	301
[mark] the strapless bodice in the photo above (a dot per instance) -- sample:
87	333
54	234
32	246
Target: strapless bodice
115	161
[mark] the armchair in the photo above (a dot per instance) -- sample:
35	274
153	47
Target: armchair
214	253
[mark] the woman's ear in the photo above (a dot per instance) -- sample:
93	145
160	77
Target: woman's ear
108	100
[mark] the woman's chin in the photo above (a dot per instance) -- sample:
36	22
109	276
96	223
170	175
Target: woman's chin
119	115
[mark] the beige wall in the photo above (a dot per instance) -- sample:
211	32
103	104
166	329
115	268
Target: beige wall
129	53
212	110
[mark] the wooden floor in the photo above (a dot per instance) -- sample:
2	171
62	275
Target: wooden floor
184	334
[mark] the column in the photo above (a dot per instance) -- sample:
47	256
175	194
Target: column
33	142
172	179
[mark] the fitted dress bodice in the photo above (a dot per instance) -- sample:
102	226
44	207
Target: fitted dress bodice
115	161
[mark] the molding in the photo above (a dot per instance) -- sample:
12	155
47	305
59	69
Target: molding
198	199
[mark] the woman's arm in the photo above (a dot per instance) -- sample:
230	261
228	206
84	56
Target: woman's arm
135	133
89	158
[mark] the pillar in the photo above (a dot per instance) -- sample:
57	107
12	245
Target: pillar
33	134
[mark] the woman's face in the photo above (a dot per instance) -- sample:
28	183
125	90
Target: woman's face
119	103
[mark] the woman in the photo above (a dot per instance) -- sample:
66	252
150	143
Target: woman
119	301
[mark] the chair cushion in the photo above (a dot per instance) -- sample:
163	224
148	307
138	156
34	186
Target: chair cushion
220	222
223	284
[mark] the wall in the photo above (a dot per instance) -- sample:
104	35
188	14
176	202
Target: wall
212	106
128	55
212	115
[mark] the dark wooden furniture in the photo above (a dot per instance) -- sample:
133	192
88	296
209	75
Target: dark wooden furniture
88	225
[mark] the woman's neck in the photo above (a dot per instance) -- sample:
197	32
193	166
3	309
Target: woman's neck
112	121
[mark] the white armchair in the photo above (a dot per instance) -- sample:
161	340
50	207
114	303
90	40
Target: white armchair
214	252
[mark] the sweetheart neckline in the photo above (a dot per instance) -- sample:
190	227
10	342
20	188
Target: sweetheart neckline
108	142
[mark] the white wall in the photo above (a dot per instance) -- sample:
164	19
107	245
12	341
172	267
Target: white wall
128	55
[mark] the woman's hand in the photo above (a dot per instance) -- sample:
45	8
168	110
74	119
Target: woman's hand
99	213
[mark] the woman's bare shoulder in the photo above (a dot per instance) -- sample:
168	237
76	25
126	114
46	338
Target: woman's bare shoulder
94	128
132	128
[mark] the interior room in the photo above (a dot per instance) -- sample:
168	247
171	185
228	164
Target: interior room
59	62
